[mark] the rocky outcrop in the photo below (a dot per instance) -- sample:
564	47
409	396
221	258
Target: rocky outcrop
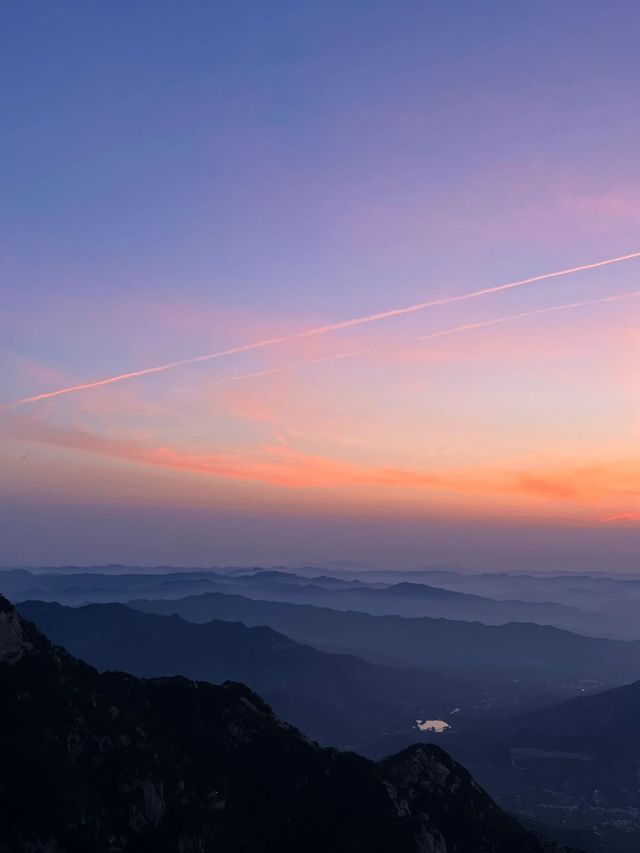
448	810
13	643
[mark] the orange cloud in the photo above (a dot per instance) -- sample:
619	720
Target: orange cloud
276	465
586	483
283	466
554	487
633	517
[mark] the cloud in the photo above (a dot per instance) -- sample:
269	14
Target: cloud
281	465
609	208
274	464
632	516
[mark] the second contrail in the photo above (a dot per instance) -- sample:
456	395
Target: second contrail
452	330
321	330
495	321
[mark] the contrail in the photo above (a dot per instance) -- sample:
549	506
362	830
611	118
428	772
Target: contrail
322	330
618	297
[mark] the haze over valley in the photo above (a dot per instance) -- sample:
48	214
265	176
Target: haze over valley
529	706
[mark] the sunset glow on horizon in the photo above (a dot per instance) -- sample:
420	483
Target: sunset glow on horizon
250	226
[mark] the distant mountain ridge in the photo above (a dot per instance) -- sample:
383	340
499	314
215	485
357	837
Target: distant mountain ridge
518	650
375	597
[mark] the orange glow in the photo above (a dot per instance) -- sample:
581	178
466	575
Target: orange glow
633	517
283	466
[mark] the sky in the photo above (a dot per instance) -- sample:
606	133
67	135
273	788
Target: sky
243	179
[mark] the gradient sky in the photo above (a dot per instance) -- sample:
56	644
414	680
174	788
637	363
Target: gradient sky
184	178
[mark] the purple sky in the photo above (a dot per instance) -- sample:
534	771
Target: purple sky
183	179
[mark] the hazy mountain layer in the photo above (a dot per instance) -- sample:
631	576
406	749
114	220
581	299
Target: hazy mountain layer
377	596
540	657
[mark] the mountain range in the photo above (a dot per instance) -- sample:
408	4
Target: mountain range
376	596
110	762
332	697
539	657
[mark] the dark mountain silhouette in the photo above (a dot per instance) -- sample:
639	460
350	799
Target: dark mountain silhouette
536	655
110	762
331	697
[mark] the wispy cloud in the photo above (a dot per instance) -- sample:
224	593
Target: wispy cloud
630	517
281	465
